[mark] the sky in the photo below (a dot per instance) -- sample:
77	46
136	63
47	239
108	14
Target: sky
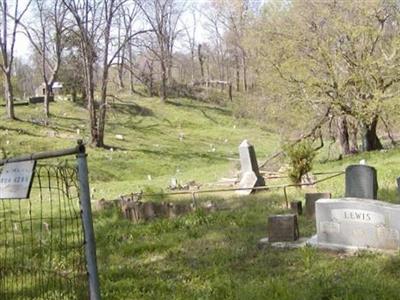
23	48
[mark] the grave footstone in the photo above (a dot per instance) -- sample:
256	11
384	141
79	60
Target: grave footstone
249	173
283	228
361	182
311	198
356	223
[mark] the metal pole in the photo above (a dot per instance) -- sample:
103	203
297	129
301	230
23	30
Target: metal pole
90	243
45	155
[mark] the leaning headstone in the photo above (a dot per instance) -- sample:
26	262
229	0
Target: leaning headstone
249	173
361	182
296	207
311	198
355	223
282	228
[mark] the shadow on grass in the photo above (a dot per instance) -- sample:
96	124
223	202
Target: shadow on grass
221	110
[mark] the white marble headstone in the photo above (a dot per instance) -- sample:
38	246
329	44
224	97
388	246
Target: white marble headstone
353	223
249	172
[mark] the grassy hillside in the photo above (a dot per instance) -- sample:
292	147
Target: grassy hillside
203	256
185	139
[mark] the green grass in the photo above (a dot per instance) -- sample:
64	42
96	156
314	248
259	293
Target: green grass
203	256
216	256
151	145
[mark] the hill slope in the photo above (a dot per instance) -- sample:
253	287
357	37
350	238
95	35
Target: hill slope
185	139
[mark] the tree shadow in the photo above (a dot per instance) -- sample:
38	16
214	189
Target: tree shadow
221	110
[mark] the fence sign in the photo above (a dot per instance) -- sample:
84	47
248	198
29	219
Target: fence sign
16	180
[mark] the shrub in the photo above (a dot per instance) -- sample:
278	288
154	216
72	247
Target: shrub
301	156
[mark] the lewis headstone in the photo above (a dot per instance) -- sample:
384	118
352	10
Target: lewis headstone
361	182
249	173
354	223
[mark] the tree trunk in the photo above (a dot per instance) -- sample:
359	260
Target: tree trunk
237	73
353	132
9	97
91	103
131	77
164	79
244	62
201	61
343	134
46	104
370	140
121	75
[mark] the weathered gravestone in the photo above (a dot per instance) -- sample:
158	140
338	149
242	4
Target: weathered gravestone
311	198
282	228
249	173
361	182
354	223
296	207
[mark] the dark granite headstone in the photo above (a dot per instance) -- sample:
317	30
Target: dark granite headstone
249	173
311	198
283	228
361	182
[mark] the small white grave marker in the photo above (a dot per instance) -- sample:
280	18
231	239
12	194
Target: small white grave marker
16	180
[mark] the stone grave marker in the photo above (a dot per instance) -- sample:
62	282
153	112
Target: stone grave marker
249	173
398	184
311	198
296	207
283	228
356	223
361	182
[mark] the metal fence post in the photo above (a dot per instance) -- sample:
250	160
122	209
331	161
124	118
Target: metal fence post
90	243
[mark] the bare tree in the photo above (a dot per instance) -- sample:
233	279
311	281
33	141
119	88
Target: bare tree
94	21
163	17
10	19
47	40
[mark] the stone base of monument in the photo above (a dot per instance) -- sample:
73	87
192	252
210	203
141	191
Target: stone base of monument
353	224
265	243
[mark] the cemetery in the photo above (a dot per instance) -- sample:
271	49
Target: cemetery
216	149
218	237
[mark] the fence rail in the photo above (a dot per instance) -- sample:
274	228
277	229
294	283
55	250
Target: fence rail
258	188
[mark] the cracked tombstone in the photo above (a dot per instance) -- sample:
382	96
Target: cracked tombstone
249	173
361	182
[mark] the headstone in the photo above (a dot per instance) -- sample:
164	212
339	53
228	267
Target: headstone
16	180
311	198
355	223
398	184
282	228
249	173
361	182
296	207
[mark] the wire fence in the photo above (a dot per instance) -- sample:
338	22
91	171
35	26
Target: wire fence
42	245
284	187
